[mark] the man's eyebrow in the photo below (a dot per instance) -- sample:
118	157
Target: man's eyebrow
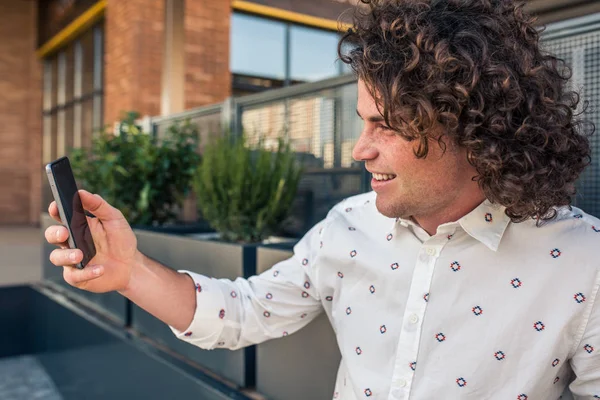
373	118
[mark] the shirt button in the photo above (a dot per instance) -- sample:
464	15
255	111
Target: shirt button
431	251
401	382
413	319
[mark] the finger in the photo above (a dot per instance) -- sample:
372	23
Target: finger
75	277
57	234
53	211
89	238
94	225
66	257
99	207
80	224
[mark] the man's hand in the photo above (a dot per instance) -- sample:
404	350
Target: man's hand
119	266
116	248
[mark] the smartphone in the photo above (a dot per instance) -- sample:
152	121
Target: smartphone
70	208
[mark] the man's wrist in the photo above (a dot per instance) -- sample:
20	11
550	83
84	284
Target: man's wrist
137	268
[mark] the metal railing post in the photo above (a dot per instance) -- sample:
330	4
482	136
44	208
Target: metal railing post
238	127
231	117
227	119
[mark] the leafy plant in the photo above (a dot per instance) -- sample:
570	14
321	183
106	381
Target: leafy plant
144	177
246	193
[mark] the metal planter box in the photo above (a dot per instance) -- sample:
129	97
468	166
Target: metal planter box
299	366
52	348
211	258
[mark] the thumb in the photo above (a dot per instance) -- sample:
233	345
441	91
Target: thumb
98	206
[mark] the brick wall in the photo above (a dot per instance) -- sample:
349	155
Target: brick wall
133	57
20	115
207	76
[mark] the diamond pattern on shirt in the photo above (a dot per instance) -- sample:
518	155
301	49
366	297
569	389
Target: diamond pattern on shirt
373	283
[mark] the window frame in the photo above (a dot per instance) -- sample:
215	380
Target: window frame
242	83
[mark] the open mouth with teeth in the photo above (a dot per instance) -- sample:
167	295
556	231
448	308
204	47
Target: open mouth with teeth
383	177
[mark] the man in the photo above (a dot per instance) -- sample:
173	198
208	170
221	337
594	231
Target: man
465	274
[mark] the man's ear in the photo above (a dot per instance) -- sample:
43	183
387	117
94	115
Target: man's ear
421	147
470	158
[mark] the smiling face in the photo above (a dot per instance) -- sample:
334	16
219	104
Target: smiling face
407	186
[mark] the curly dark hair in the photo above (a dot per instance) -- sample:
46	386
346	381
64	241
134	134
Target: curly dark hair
476	68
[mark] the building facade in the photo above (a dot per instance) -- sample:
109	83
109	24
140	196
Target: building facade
70	67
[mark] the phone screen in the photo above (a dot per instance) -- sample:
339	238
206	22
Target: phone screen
73	209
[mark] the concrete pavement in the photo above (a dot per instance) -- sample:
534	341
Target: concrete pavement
20	255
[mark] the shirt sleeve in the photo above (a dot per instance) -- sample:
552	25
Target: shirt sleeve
586	359
278	302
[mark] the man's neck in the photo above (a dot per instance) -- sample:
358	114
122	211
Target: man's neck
451	213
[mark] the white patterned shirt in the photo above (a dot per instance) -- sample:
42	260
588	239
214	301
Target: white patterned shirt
484	309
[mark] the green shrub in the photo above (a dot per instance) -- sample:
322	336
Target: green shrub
145	178
246	193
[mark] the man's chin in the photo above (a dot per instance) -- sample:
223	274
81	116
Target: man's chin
388	207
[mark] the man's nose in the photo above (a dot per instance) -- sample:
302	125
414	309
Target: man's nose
364	149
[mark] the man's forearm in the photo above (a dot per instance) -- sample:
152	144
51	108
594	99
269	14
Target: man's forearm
164	293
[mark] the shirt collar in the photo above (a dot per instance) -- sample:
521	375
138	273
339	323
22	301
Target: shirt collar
486	223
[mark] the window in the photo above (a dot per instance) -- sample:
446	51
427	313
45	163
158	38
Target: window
72	98
258	47
312	54
267	54
73	95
